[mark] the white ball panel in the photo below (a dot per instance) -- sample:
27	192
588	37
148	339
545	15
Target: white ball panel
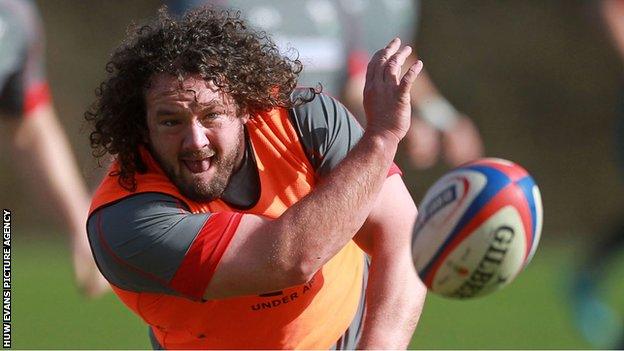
440	211
486	260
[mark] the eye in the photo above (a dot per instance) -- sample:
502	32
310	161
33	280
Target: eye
169	122
211	116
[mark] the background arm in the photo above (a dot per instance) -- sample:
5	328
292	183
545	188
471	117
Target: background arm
39	139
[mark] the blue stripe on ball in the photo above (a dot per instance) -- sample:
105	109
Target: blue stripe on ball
527	184
495	181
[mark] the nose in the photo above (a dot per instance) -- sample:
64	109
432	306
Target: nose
195	138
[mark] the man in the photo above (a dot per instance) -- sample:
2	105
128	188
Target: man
36	134
334	40
238	207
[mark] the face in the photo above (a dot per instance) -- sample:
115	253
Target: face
195	134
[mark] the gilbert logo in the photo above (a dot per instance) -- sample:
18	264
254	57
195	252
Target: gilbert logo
488	266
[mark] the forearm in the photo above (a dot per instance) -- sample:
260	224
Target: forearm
323	222
46	154
272	255
42	143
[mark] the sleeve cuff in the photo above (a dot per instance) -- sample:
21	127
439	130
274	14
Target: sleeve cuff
36	95
202	258
394	169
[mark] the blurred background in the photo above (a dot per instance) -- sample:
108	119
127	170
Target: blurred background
540	79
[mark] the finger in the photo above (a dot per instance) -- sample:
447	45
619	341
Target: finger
410	76
380	57
377	60
394	64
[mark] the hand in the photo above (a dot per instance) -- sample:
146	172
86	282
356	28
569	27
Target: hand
462	143
88	278
386	94
422	144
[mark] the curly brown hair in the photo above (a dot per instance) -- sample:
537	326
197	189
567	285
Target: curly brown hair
216	44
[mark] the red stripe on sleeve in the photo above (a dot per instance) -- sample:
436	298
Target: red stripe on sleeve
356	63
394	169
36	95
202	258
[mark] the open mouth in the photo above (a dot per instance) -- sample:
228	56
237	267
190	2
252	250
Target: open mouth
198	166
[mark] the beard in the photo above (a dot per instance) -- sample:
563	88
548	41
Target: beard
196	187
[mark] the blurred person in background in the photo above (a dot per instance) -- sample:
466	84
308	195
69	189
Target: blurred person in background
242	212
29	121
600	324
334	40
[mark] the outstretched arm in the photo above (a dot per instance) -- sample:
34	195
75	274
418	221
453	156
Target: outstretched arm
38	137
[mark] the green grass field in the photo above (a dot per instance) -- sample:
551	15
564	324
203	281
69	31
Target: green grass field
531	313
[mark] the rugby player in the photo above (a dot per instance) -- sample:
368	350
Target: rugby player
242	212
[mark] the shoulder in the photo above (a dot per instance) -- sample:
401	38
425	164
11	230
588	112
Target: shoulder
308	100
315	111
326	128
133	212
140	241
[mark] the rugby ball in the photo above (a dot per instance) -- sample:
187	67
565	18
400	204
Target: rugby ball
477	228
